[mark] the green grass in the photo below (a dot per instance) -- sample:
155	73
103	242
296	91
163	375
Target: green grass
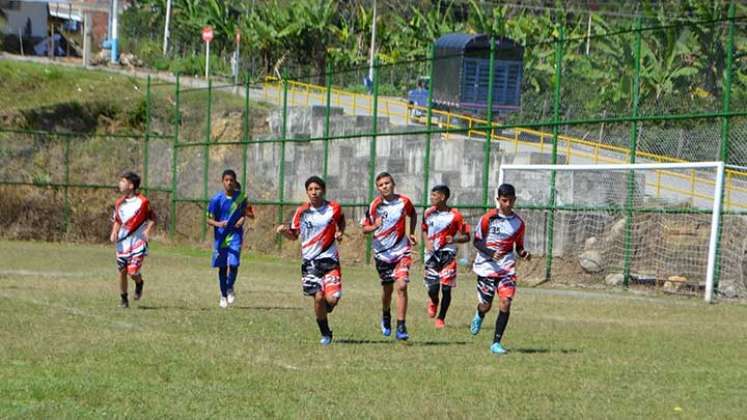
68	351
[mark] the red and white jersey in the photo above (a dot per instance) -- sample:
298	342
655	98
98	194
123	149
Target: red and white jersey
390	243
440	224
316	228
500	233
132	214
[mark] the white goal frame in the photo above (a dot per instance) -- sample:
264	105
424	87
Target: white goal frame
717	196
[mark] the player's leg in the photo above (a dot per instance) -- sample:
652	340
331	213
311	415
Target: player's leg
139	283
223	285
385	271
433	286
506	291
402	278
233	271
332	288
445	303
124	301
486	288
320	310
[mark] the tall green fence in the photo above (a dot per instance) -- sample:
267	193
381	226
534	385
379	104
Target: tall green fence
275	133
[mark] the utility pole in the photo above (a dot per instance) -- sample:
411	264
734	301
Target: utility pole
166	27
373	44
115	37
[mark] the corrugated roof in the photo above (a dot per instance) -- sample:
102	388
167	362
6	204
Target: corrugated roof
463	41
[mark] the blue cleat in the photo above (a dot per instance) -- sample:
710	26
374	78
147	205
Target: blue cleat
474	326
386	329
497	348
326	340
402	334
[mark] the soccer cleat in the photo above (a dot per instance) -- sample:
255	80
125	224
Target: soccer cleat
402	334
326	339
231	297
139	290
223	302
386	328
124	304
497	348
432	308
440	323
474	326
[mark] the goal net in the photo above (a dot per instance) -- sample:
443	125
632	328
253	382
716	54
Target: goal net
639	225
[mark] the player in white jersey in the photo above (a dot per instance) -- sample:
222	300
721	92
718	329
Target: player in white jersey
133	220
386	220
320	224
499	232
443	228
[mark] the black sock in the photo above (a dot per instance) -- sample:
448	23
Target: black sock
500	325
124	297
401	325
445	302
324	327
433	293
480	313
386	316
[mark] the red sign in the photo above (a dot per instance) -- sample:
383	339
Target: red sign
207	34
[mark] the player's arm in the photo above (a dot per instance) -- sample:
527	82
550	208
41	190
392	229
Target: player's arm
462	237
370	224
115	231
340	228
413	225
149	224
482	246
523	253
285	230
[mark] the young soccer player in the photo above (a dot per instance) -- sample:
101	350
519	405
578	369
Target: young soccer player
133	221
499	232
226	213
320	224
443	228
386	219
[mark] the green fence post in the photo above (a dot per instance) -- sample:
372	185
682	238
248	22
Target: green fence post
372	150
206	159
327	110
174	148
489	133
428	128
559	48
146	135
725	120
246	135
628	241
66	204
283	135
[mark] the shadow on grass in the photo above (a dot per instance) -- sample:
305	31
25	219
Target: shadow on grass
531	350
197	308
407	343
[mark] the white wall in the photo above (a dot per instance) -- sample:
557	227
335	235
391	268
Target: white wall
17	17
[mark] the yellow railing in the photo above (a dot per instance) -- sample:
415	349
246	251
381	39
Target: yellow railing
302	94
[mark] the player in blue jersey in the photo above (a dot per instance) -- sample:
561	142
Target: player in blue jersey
226	213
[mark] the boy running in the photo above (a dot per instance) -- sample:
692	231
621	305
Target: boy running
226	213
319	223
443	227
133	221
498	233
385	218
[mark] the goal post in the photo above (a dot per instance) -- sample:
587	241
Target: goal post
665	209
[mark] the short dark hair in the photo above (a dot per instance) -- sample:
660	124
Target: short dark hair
506	190
229	172
443	189
133	178
384	174
315	180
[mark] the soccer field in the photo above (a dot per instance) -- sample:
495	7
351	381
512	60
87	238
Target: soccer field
69	351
